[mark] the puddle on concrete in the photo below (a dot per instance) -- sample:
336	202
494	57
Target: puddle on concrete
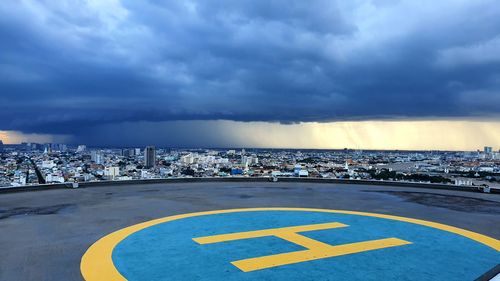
45	210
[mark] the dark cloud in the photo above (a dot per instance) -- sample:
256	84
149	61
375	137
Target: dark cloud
68	66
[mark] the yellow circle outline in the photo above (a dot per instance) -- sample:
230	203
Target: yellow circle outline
97	263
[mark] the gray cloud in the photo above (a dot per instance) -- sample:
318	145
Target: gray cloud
68	66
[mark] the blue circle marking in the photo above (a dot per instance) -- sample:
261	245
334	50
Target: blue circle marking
199	248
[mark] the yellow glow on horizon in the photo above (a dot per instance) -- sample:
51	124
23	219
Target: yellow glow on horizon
4	137
14	137
404	135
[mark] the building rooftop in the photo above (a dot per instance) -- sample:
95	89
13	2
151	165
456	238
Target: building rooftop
46	233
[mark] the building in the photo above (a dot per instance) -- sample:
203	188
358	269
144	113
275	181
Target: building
303	174
149	156
63	147
488	149
255	160
112	172
244	161
128	152
249	160
96	156
47	149
81	148
187	159
236	171
1	146
49	164
54	178
297	169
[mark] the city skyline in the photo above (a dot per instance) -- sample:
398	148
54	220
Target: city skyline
31	164
324	74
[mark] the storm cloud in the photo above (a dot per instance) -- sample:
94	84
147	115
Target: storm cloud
69	66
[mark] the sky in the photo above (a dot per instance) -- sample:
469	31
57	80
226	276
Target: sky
305	74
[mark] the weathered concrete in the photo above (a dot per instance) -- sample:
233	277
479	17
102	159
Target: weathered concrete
44	234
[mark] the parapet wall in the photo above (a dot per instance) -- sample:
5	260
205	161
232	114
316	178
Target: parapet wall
246	179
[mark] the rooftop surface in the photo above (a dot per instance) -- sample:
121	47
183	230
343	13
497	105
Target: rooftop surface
44	234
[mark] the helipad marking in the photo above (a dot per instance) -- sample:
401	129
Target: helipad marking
266	232
97	263
315	249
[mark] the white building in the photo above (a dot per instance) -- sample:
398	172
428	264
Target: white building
112	172
187	159
303	173
166	172
81	148
54	178
145	174
463	182
48	164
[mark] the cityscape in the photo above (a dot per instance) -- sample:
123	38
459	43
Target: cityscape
32	164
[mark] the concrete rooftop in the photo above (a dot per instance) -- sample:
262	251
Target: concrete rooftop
44	234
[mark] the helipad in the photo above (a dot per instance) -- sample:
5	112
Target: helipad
248	231
290	244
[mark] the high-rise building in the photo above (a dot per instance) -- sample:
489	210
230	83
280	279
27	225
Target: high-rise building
255	160
1	146
128	152
149	156
488	149
249	160
81	148
96	156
